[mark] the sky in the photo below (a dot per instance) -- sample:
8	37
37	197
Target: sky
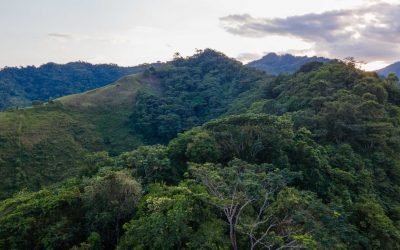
131	32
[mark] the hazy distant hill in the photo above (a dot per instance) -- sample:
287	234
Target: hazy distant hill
392	68
20	86
279	64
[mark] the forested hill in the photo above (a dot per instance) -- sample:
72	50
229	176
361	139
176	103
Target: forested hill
145	108
192	91
247	161
392	68
20	86
283	64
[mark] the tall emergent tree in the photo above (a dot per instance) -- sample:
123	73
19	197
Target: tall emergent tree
246	193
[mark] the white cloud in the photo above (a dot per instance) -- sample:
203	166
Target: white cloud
367	33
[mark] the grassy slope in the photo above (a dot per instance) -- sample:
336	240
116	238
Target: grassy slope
44	145
108	109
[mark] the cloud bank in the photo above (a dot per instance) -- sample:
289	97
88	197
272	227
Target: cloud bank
368	33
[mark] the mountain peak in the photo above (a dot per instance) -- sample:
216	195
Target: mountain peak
204	55
271	55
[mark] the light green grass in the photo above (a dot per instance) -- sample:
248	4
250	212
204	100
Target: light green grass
119	94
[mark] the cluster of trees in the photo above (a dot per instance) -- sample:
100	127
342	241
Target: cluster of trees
308	161
88	212
265	185
177	210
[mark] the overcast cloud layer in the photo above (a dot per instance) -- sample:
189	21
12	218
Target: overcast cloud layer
367	33
130	32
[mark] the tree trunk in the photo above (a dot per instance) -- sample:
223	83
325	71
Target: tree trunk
232	236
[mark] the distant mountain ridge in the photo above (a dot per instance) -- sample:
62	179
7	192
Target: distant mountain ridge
275	64
20	86
392	68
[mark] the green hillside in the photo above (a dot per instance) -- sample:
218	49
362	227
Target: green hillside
246	161
108	109
49	142
19	87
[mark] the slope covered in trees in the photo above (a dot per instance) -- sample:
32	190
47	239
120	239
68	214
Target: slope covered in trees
20	86
192	91
309	160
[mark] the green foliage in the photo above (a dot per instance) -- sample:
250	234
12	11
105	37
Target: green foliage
261	211
64	216
203	148
150	164
42	220
352	117
379	229
109	199
93	243
174	218
247	137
